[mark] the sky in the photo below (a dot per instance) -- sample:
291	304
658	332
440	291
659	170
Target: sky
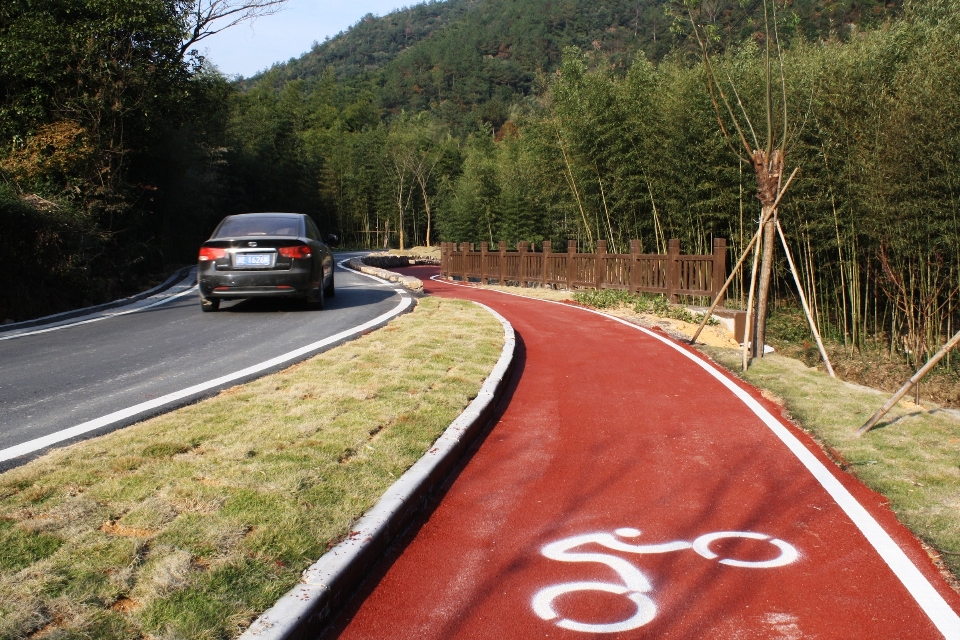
248	48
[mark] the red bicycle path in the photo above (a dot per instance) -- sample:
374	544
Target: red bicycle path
606	427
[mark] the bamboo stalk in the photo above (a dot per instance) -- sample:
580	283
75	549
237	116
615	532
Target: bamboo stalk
803	301
915	379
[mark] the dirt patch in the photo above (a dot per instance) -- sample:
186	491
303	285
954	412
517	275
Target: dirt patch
713	336
125	605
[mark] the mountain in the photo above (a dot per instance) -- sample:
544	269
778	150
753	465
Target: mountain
457	56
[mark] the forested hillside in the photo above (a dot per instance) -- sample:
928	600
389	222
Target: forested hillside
463	59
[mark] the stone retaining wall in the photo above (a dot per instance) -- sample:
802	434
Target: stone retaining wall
414	284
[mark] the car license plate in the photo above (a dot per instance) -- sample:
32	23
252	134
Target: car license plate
252	260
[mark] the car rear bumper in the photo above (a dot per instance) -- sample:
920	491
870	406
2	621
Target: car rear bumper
251	284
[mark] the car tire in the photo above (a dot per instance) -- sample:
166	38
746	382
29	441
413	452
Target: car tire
330	290
317	300
209	304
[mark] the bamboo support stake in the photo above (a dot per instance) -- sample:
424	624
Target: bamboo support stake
748	329
803	301
723	290
917	377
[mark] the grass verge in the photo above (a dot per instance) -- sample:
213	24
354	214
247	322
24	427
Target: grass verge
190	524
913	458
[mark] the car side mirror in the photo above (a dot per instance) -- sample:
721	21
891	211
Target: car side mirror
332	240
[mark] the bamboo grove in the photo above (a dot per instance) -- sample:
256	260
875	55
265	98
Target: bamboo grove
614	153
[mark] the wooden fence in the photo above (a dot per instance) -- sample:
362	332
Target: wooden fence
672	275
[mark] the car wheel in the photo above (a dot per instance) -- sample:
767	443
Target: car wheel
209	304
330	290
316	300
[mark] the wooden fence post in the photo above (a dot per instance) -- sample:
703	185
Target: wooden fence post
634	282
465	248
522	249
600	264
443	259
547	249
483	262
502	263
571	263
719	270
673	269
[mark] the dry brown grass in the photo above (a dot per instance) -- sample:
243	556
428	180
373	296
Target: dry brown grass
189	524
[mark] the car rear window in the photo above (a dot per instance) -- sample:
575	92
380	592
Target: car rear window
259	226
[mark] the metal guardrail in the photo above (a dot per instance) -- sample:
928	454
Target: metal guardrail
670	274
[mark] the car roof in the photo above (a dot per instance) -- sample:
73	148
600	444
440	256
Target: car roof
267	214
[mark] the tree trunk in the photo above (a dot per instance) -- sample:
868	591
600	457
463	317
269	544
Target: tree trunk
426	206
400	207
769	171
763	288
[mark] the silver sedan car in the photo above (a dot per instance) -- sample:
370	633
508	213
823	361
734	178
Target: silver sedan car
254	255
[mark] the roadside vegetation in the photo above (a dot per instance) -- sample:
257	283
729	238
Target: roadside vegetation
640	303
190	524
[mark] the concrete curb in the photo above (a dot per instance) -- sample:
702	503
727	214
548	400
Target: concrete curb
67	315
414	284
330	583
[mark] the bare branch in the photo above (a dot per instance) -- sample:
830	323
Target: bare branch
783	79
769	89
711	82
736	95
204	18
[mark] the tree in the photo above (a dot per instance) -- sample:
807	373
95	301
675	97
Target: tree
204	18
767	158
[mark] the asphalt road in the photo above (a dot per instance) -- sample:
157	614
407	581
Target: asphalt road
53	379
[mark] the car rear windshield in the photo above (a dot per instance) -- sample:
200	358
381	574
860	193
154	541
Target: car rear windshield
259	226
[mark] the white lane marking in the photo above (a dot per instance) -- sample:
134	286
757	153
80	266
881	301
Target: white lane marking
105	316
91	425
635	585
927	597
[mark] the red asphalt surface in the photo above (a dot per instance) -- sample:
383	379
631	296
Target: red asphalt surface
603	428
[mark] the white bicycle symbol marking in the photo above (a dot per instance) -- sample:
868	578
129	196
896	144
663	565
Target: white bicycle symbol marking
635	585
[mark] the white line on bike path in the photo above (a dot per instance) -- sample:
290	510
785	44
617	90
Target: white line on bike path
91	425
930	601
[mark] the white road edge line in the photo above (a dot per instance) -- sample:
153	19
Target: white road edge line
931	602
91	425
99	318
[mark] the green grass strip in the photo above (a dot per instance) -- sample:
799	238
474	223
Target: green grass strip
913	458
190	524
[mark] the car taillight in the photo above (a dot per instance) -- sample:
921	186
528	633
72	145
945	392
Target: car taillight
211	253
298	251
